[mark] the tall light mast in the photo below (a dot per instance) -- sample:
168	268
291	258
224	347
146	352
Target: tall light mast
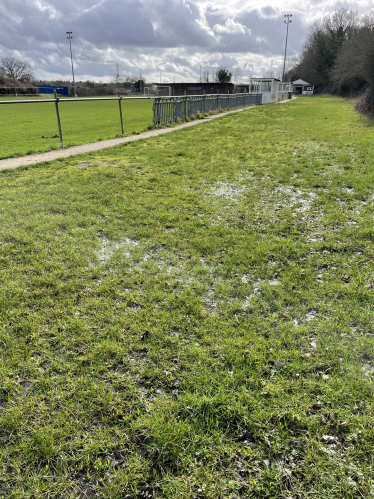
288	21
69	37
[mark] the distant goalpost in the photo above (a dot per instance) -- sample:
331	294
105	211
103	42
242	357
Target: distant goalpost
166	87
158	90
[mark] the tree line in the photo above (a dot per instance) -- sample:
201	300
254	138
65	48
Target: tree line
17	73
338	57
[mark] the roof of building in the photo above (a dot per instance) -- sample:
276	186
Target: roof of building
266	79
194	83
301	82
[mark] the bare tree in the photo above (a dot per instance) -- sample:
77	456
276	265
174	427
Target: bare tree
16	70
272	73
205	76
324	42
237	75
122	78
353	71
131	78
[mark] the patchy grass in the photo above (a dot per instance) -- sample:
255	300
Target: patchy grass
32	128
191	316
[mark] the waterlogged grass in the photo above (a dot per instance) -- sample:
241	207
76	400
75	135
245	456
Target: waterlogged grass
191	316
32	128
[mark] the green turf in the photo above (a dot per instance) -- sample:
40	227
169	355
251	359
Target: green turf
32	128
191	316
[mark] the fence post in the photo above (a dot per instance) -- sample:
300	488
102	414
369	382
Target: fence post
154	111
120	110
58	117
204	102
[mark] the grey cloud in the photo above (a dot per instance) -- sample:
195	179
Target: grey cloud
175	35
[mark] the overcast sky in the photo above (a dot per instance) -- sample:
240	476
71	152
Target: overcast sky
174	37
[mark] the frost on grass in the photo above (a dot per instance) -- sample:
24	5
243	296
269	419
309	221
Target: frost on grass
225	190
249	200
296	199
310	315
256	289
109	248
330	159
214	290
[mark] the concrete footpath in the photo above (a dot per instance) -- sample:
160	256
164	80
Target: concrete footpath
10	163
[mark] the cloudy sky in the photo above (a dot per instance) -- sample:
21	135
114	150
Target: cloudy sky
174	37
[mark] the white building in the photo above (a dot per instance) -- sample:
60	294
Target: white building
268	87
284	88
302	87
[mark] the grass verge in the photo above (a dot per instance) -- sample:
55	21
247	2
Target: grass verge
191	316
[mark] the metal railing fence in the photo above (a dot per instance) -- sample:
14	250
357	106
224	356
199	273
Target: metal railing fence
57	101
165	109
171	109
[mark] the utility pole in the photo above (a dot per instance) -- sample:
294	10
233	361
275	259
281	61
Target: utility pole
288	21
140	81
200	74
69	37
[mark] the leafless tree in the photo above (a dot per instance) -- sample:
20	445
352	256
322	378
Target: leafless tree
16	70
324	42
132	78
273	73
237	75
353	71
205	76
120	78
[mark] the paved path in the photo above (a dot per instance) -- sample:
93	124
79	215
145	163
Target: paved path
6	164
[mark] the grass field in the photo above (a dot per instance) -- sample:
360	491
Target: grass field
191	316
31	128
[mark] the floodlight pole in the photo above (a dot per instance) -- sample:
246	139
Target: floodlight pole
288	21
69	37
